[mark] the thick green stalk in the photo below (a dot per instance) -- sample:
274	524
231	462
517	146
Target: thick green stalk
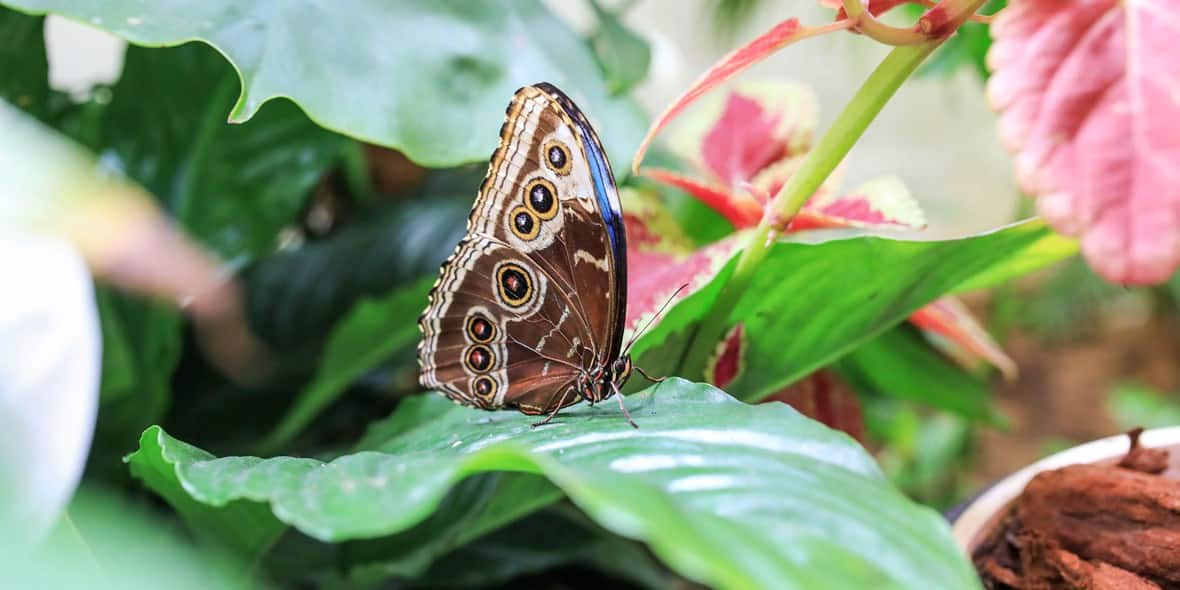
817	166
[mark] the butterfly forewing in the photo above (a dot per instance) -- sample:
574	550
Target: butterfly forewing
532	297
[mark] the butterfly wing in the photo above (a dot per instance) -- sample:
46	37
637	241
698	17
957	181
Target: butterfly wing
535	295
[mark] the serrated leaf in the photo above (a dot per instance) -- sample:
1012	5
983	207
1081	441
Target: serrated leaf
692	482
1087	95
429	79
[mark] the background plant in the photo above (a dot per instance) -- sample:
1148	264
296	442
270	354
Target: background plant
327	207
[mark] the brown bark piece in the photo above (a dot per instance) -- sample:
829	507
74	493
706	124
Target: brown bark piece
1121	517
1090	527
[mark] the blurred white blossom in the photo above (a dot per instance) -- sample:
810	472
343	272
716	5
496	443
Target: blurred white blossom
50	362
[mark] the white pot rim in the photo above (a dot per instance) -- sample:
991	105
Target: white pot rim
978	514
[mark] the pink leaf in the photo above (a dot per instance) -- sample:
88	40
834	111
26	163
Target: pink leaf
958	334
883	203
781	35
660	258
743	141
1090	97
734	135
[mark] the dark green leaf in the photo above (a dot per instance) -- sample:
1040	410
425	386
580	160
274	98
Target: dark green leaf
295	297
430	79
726	493
233	186
371	333
549	539
141	345
25	81
623	54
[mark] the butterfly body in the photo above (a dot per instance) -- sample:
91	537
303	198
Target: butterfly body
528	312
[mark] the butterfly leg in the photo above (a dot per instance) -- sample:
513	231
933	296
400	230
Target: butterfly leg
556	409
649	377
622	406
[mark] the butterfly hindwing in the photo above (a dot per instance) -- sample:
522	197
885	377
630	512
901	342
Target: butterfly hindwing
534	294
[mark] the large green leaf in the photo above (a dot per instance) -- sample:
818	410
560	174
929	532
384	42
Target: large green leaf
233	186
430	79
733	495
809	304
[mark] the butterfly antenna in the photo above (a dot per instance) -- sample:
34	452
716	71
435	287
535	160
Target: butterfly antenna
653	318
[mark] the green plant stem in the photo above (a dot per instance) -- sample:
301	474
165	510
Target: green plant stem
817	166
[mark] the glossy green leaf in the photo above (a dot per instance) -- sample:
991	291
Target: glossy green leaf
900	363
372	332
232	186
812	303
430	79
246	528
1049	249
622	53
733	495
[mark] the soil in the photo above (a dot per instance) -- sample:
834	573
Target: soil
1098	526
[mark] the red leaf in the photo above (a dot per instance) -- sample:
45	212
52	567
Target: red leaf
781	35
726	362
741	210
824	397
959	335
1088	92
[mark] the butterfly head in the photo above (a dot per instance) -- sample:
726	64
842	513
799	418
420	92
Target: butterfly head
620	370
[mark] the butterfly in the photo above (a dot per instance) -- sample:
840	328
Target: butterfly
528	312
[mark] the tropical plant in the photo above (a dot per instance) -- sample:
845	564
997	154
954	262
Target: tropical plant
257	283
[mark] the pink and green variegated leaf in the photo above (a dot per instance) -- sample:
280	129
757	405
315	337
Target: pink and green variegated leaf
779	36
741	209
948	325
1088	95
660	259
883	203
733	135
725	364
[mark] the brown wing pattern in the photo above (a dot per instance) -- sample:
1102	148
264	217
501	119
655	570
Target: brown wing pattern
523	305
